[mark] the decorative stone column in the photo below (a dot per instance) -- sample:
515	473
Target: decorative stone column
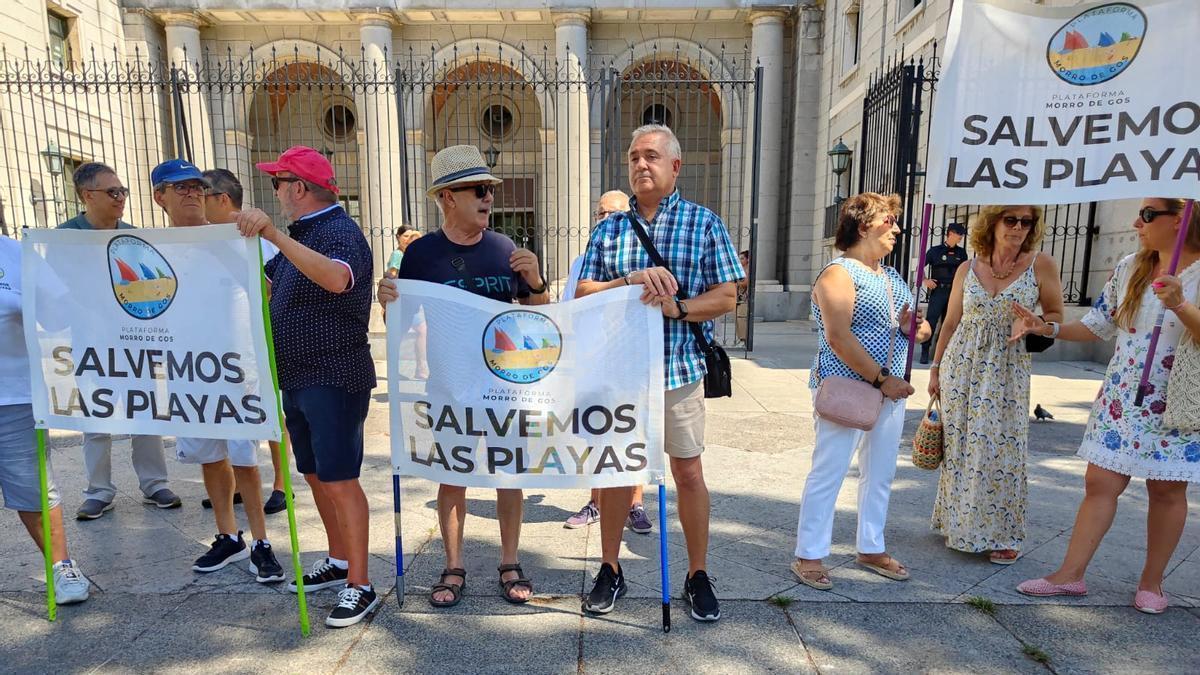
766	50
573	136
379	158
184	54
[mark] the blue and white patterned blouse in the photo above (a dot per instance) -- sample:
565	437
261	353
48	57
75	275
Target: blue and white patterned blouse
697	248
871	323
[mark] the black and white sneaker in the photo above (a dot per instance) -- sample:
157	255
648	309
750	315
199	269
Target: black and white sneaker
354	604
225	549
698	591
263	564
323	574
609	586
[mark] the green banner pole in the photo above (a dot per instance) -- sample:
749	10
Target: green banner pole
47	547
284	465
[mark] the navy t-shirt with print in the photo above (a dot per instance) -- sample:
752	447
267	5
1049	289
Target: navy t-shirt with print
321	337
482	268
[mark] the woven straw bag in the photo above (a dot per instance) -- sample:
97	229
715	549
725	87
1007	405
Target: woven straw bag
1183	387
927	441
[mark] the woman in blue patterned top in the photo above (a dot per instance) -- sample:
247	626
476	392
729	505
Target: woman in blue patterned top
862	310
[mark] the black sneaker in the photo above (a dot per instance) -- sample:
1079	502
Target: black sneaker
207	503
263	564
354	604
609	586
323	574
698	592
225	549
275	503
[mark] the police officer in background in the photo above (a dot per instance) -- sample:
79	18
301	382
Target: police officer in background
943	261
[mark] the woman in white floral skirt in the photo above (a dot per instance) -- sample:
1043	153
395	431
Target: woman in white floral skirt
1122	440
984	383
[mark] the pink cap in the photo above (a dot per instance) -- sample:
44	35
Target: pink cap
306	163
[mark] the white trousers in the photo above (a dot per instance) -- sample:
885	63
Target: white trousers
835	447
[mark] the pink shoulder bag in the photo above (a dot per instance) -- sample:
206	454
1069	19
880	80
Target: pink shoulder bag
855	403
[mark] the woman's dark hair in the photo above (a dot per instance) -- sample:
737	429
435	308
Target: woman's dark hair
860	210
399	231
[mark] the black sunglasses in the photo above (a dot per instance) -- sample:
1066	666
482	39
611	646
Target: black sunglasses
480	190
276	180
1148	214
1013	221
113	193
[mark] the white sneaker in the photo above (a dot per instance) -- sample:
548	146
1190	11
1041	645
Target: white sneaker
70	586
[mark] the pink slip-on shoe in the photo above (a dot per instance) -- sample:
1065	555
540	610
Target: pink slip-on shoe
1041	588
1149	602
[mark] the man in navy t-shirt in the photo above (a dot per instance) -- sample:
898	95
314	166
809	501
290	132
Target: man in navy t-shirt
466	254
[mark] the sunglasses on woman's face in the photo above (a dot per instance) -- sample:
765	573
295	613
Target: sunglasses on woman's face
1013	221
480	190
1148	214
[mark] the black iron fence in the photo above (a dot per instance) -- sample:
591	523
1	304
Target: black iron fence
556	135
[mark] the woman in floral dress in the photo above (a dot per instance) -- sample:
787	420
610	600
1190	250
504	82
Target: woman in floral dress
984	383
1123	440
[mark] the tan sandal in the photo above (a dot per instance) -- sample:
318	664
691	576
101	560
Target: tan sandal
1006	556
900	574
821	582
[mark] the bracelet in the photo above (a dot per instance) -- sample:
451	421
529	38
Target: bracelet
935	364
626	278
1176	308
538	291
1055	327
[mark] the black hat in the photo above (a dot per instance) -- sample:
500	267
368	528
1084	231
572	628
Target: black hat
957	228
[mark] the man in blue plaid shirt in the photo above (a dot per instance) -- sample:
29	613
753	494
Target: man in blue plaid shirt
704	265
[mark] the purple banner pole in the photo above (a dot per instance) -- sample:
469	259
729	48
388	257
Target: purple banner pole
926	216
1149	363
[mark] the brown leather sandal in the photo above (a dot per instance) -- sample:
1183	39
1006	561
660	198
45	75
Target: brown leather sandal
507	586
455	589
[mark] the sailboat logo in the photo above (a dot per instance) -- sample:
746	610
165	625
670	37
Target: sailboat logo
143	281
1098	44
521	346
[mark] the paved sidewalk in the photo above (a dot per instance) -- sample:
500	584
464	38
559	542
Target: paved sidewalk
149	612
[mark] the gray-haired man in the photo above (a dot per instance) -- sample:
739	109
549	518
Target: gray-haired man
103	196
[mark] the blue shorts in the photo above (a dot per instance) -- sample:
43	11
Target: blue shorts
19	461
325	428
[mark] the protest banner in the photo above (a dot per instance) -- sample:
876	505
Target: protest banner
159	332
554	396
148	332
566	395
1054	105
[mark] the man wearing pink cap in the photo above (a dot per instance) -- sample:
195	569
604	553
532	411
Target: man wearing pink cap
320	308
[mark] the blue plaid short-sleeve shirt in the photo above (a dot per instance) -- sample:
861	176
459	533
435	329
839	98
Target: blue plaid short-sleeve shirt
697	248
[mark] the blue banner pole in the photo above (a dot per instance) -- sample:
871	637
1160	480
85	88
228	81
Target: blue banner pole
399	540
662	557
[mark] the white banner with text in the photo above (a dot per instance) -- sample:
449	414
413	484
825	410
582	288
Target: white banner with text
1054	105
487	394
154	331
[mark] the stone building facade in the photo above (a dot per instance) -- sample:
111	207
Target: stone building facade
557	145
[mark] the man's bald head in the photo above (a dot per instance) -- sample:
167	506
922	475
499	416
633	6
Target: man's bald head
611	202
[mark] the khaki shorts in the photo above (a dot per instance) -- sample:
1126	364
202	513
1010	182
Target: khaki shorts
683	420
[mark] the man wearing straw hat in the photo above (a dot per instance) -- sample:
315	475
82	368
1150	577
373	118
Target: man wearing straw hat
320	309
466	254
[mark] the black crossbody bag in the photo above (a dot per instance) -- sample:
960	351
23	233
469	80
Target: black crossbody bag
718	380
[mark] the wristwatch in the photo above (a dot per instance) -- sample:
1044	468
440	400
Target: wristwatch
538	291
883	375
1054	328
682	307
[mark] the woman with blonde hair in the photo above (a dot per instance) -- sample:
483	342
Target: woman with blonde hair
862	308
982	379
1123	441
